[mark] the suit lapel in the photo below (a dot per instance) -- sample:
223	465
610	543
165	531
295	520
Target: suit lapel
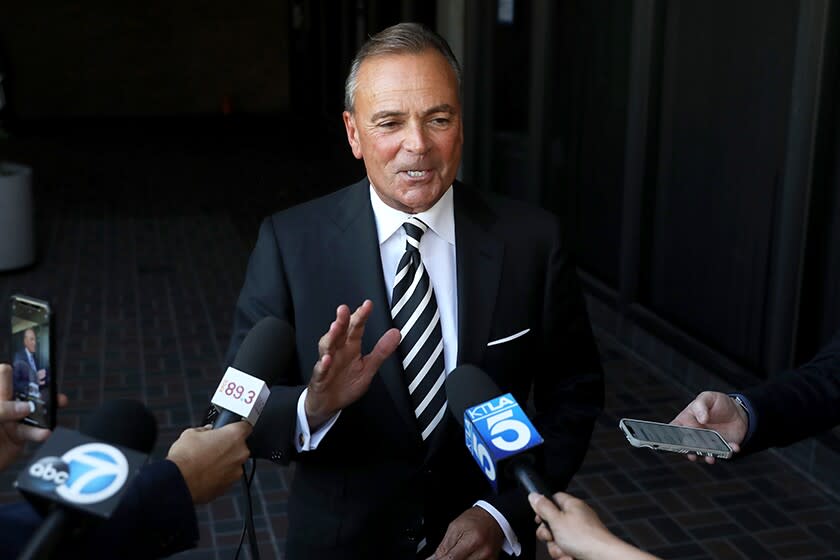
479	261
354	217
478	257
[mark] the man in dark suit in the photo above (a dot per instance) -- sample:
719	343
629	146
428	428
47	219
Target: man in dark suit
795	405
446	275
28	375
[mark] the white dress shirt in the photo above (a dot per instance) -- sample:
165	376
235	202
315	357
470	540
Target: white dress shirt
437	250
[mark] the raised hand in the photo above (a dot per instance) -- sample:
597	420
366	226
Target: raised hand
342	375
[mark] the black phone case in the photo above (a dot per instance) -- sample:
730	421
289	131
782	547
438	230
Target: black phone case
53	375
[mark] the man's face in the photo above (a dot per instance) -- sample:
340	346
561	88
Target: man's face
406	126
29	341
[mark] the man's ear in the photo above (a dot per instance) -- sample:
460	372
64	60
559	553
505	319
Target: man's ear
352	133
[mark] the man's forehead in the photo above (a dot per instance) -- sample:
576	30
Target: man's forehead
405	66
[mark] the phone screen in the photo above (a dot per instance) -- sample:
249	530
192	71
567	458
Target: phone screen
677	435
32	375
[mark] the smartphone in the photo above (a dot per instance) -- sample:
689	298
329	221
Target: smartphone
677	439
33	358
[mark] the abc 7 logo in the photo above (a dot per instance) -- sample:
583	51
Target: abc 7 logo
50	470
86	474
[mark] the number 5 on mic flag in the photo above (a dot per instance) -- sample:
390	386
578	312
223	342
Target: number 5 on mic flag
242	394
495	430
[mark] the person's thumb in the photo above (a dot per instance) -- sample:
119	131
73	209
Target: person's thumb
700	409
11	410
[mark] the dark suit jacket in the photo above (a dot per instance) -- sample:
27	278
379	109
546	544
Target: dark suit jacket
799	403
371	489
22	373
155	518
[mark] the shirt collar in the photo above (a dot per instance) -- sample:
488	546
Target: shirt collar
440	218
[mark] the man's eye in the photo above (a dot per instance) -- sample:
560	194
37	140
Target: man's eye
441	121
388	124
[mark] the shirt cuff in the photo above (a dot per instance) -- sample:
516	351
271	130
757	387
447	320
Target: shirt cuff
752	415
511	545
304	439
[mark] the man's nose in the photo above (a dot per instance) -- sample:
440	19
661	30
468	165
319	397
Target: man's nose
416	140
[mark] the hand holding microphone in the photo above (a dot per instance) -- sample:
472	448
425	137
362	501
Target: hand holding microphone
211	460
577	532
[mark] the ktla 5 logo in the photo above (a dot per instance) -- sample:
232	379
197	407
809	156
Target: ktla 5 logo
499	423
86	474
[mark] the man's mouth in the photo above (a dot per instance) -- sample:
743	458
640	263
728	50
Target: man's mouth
415	173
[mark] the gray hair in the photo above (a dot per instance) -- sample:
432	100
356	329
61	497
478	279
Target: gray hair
403	38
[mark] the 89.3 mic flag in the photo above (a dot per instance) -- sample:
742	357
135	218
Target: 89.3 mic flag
264	354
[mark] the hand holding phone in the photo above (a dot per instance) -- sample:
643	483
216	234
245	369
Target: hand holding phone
676	439
13	436
33	358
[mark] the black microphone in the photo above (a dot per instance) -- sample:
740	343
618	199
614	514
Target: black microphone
263	355
498	433
76	477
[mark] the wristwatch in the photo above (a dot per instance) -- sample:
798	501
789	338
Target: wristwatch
741	403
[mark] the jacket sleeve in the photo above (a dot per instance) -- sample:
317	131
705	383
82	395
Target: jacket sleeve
798	403
265	293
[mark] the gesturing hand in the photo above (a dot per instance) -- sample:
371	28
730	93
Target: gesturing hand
715	411
342	375
474	534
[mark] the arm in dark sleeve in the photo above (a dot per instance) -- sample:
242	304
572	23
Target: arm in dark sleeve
156	518
798	403
265	293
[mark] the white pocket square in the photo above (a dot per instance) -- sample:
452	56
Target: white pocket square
508	338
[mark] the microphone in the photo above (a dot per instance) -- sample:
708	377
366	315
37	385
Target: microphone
263	355
76	477
498	433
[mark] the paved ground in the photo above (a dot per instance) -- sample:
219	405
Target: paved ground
144	242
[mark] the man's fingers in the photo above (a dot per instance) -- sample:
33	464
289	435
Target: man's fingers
700	410
5	382
385	346
563	500
31	433
358	320
450	540
62	400
557	553
12	410
544	534
241	429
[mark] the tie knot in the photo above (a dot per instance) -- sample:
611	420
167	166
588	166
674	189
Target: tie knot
414	229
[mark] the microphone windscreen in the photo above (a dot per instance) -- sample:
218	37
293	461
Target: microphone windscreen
467	386
123	422
266	350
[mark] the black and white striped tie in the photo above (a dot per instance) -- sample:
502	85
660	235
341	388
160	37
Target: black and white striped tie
415	312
